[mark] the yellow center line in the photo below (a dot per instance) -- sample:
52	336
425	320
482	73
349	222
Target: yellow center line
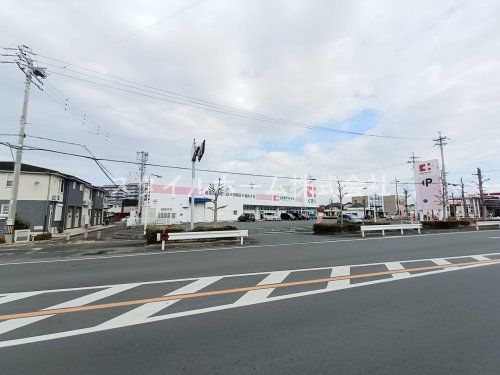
235	290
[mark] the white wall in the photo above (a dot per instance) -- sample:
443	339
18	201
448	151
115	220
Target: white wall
32	186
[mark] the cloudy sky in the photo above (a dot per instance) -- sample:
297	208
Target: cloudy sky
403	69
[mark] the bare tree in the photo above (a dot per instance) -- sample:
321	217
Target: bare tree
464	205
480	181
216	191
340	189
441	198
406	192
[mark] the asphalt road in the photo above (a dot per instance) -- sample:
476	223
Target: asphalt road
288	303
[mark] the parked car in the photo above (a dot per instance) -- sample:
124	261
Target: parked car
270	216
313	217
287	216
349	219
296	215
304	216
246	217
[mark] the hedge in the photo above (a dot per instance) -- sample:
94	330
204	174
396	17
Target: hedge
43	236
445	224
151	232
336	228
211	228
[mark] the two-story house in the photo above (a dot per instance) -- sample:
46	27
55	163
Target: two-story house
50	200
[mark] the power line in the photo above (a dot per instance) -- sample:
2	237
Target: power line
142	29
180	99
31	148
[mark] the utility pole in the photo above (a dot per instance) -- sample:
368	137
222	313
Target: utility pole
480	181
142	158
464	206
24	61
397	196
197	153
441	141
413	159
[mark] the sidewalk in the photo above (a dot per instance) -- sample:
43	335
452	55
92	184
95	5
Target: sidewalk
76	231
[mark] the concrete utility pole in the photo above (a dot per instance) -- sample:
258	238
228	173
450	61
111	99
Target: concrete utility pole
480	181
142	158
441	141
413	160
25	63
464	205
397	196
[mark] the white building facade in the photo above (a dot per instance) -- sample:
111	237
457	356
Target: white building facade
171	204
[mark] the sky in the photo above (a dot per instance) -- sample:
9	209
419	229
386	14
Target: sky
404	70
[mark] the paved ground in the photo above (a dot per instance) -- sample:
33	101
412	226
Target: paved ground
290	303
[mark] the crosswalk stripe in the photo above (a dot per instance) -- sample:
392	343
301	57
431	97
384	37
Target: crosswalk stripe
256	295
145	311
393	266
339	284
12	324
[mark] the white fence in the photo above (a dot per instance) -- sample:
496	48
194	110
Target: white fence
383	228
205	235
487	223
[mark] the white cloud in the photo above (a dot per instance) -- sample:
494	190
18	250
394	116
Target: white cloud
421	66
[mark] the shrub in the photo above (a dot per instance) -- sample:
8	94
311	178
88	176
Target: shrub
211	228
445	224
2	240
153	230
21	224
336	228
43	236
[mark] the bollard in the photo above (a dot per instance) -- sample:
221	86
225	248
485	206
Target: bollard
66	236
98	235
85	235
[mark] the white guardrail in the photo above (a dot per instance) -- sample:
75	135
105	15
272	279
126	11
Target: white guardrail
383	228
205	235
486	223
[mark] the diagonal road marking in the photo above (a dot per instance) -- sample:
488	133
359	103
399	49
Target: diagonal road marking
17	296
431	270
145	311
12	324
339	284
51	311
257	295
393	266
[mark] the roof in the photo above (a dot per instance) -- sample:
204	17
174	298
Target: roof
9	166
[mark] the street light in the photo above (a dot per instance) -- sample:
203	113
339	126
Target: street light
147	201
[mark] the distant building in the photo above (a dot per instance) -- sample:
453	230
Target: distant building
50	200
116	194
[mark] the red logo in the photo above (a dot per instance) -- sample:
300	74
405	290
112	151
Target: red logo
424	167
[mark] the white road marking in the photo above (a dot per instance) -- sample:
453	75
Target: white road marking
143	312
339	284
239	275
479	257
11	324
17	296
164	253
394	266
257	295
52	336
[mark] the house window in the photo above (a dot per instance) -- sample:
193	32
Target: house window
235	212
5	210
81	187
8	180
74	185
61	185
